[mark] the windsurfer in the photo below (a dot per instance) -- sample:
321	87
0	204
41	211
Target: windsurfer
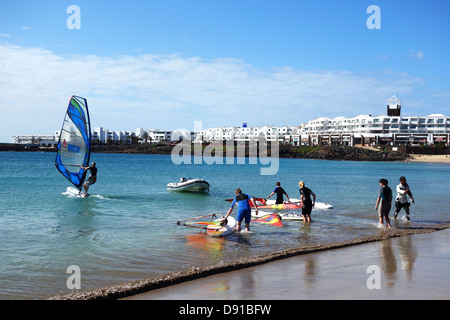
244	211
92	178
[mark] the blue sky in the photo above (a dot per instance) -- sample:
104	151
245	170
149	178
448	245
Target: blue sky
165	64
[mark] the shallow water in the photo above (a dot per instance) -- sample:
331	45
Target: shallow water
127	229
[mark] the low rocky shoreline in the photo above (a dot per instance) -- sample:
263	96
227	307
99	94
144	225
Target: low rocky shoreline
306	152
303	152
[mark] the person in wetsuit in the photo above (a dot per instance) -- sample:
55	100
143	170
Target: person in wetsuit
280	192
307	204
92	178
244	211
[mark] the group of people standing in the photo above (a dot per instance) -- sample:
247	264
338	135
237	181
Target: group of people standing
383	204
244	200
384	201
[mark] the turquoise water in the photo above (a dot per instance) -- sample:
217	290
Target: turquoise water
127	229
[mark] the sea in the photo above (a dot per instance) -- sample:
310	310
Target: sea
127	229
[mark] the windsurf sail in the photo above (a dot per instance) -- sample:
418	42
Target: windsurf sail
195	223
74	145
272	219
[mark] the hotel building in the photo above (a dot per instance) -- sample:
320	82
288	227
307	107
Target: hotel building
392	128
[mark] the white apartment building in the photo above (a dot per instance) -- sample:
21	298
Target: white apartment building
157	136
150	136
281	134
367	129
43	140
107	136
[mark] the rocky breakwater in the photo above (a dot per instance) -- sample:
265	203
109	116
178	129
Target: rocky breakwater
303	152
340	153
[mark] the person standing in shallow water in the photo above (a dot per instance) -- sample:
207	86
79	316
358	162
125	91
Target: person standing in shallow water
383	204
307	204
244	210
91	180
280	192
401	201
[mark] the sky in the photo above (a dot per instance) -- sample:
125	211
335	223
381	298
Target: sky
163	64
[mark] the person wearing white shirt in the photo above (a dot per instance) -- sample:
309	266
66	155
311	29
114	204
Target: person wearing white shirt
401	201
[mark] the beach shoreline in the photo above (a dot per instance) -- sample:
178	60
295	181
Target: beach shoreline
412	267
146	286
429	158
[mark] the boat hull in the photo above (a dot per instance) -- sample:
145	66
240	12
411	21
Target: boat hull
194	185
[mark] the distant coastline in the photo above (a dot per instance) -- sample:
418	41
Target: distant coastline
302	152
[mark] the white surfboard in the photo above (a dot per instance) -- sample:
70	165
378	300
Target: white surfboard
317	205
75	192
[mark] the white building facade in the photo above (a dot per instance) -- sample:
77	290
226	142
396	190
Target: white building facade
43	140
282	134
392	128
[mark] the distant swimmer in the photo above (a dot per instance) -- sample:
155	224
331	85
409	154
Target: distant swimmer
307	204
280	192
244	211
401	201
92	178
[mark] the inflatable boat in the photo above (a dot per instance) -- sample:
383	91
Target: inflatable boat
190	185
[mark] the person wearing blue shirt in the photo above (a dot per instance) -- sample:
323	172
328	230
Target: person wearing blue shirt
244	211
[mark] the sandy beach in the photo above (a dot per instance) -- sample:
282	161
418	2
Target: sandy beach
413	267
429	158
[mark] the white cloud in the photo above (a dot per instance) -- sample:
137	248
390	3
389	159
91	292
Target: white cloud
171	91
416	55
5	35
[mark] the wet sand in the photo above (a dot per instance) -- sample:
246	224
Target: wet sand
410	267
410	263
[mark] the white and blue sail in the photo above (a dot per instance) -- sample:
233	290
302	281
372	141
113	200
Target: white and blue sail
74	145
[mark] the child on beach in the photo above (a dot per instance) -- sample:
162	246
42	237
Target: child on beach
383	204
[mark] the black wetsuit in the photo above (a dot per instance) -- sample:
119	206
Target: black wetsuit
307	202
279	191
